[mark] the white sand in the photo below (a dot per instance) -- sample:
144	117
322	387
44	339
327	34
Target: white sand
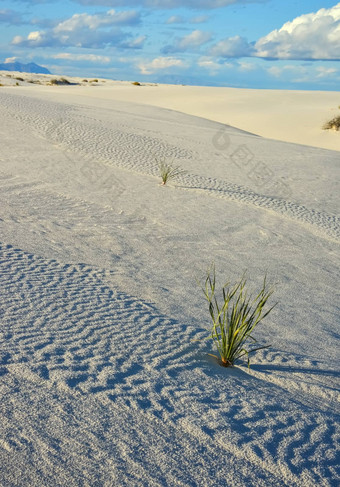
101	383
290	116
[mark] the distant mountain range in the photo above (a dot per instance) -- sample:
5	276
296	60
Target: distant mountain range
24	68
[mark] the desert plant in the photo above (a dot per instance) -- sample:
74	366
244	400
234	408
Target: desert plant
136	83
167	171
235	319
333	124
64	81
60	81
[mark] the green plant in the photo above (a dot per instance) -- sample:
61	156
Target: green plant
235	319
136	83
94	81
60	81
167	171
64	81
333	124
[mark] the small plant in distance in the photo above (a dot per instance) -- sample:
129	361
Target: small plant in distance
167	171
136	83
235	318
61	81
333	124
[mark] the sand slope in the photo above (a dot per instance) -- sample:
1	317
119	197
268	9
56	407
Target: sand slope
101	382
286	115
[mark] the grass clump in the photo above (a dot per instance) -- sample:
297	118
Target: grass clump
136	83
64	81
235	318
167	171
333	124
60	81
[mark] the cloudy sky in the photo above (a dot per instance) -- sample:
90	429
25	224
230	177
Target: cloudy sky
292	44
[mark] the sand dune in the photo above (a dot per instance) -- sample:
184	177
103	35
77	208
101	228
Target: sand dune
101	382
286	115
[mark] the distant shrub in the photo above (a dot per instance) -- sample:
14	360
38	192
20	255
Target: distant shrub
19	79
235	318
333	124
136	83
94	81
64	81
85	81
167	171
1	84
17	84
60	81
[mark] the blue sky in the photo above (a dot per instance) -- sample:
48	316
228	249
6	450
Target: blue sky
242	43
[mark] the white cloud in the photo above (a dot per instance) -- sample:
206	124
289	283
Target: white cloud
243	66
200	19
93	39
278	71
232	47
325	72
310	36
175	19
35	36
11	59
178	19
109	18
192	41
87	31
210	64
195	39
93	58
34	39
159	64
134	43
